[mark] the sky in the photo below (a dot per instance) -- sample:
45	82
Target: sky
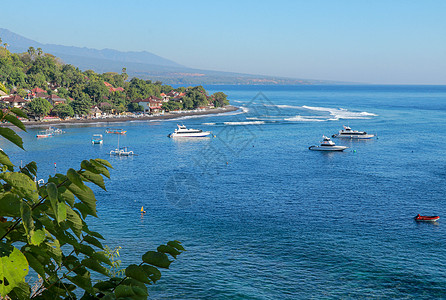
380	42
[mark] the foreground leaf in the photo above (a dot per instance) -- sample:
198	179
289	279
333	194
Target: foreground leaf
11	136
13	268
157	259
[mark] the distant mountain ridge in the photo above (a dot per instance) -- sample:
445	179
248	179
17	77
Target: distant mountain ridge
143	64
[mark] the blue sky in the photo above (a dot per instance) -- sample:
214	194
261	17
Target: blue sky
389	42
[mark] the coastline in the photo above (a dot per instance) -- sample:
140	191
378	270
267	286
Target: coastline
166	116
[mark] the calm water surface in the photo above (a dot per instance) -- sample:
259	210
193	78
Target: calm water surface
261	216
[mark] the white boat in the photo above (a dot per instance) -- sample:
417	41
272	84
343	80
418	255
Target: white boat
44	134
327	145
121	152
348	133
182	131
97	139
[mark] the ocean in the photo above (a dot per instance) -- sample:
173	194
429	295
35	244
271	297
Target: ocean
263	217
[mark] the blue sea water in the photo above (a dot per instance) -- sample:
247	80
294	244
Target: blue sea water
260	215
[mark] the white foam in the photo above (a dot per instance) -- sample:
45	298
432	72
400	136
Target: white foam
341	113
245	123
299	118
209	124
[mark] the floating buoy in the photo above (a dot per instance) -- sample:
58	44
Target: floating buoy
227	163
142	210
214	136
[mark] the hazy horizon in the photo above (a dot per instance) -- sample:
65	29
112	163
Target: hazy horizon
396	42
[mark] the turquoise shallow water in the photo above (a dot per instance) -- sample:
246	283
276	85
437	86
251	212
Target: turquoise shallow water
261	216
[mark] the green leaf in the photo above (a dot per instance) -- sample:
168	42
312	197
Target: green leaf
104	162
153	273
19	112
51	189
15	121
176	244
37	237
13	268
54	250
101	168
22	185
27	219
61	214
66	196
82	281
93	241
124	291
168	249
94	265
74	221
75	178
157	259
102	257
87	250
35	264
138	273
30	170
22	291
95	178
11	136
4	159
10	205
86	195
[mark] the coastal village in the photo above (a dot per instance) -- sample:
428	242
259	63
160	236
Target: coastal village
49	90
151	105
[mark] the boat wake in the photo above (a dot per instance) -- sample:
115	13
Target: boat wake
299	118
244	123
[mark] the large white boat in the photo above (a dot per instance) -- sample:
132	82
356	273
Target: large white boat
182	131
327	145
348	133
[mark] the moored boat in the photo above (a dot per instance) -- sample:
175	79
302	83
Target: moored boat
327	145
115	131
426	218
348	133
97	139
182	131
44	134
121	152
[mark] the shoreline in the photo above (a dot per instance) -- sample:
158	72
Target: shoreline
166	116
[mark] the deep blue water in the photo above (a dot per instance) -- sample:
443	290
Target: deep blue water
261	216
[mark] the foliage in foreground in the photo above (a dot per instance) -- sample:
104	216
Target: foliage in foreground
44	228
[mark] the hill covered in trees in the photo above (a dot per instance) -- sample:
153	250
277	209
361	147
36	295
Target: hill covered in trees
30	73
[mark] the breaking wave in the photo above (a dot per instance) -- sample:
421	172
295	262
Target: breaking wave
306	119
342	113
245	123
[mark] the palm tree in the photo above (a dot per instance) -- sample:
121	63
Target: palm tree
124	74
31	52
39	51
6	45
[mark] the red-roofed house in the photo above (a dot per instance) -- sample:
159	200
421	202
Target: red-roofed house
151	104
54	100
38	90
14	101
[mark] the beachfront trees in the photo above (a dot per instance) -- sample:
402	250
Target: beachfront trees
63	110
44	228
39	107
81	106
220	99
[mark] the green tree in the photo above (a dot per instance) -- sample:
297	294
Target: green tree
44	228
39	107
63	110
220	99
81	106
135	107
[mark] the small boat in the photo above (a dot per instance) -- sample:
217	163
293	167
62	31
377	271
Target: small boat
44	134
97	139
327	145
121	152
348	133
55	130
426	218
182	131
115	131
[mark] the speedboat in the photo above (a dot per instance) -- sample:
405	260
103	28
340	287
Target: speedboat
426	218
348	133
327	145
97	139
121	152
182	131
115	131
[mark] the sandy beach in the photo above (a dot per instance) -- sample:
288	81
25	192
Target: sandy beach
228	108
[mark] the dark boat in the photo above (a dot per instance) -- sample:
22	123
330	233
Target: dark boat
426	218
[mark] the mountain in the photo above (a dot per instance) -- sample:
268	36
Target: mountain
143	64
